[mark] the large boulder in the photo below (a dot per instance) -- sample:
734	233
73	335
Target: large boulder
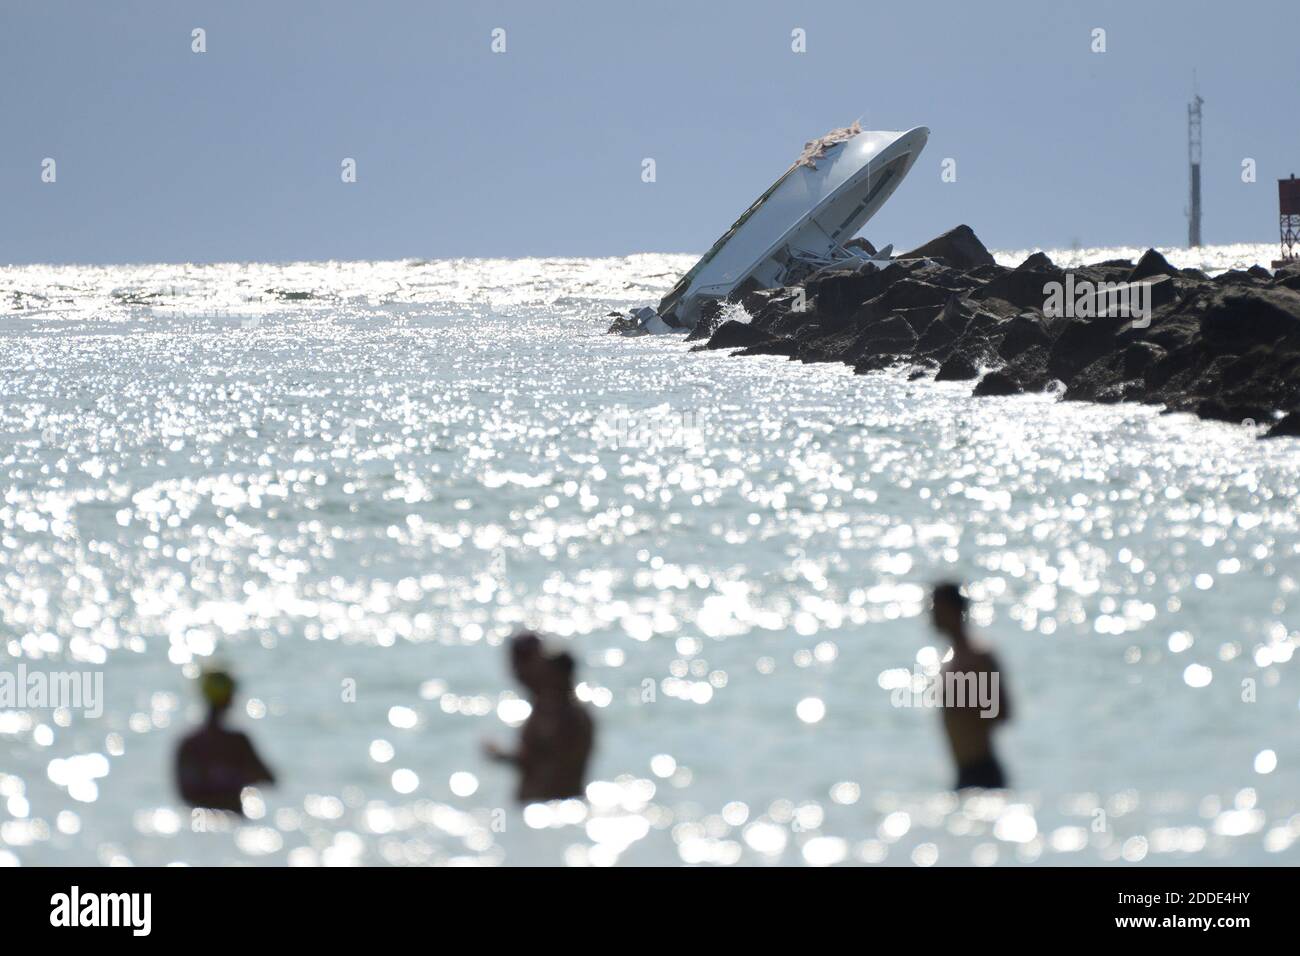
1288	276
1138	357
959	248
907	294
1028	370
1240	317
958	368
889	336
1039	261
841	290
1286	427
737	335
1237	277
954	280
998	383
940	335
1023	288
1227	410
1022	332
1080	343
1151	264
710	318
783	313
985	273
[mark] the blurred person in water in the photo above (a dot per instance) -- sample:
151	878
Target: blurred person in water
974	702
556	740
214	764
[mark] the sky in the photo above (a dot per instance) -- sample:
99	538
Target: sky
162	154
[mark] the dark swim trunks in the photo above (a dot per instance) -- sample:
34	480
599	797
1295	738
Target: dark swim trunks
986	774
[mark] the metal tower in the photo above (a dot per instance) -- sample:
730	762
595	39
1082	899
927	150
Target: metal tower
1194	162
1288	207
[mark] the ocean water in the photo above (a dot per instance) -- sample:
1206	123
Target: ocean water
351	482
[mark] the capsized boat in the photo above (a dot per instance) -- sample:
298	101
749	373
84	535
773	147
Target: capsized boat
803	221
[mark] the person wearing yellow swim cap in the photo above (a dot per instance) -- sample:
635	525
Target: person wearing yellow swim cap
214	764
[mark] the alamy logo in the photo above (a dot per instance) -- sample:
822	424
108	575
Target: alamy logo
103	909
39	690
955	689
1086	299
621	427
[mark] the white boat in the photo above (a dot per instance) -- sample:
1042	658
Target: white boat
802	221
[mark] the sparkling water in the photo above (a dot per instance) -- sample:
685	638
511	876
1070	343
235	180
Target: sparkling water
351	482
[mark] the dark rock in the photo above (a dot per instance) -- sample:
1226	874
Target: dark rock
707	323
909	294
954	280
1160	291
947	327
1099	381
1080	343
1023	288
1102	272
1022	332
874	363
1150	265
732	334
958	368
890	336
786	347
1138	356
834	341
755	301
1029	369
1221	411
1174	364
959	248
986	272
982	325
844	289
783	313
998	383
1245	317
1236	277
920	319
1288	277
1236	373
1288	426
1039	262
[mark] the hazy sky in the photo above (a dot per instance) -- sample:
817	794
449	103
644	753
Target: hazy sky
234	154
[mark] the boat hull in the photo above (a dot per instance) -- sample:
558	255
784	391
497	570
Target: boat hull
809	213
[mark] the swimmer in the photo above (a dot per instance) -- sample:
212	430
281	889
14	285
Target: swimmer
555	743
213	764
974	702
